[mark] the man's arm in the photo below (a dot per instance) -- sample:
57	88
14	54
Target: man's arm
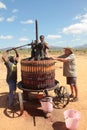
60	59
5	56
46	44
17	55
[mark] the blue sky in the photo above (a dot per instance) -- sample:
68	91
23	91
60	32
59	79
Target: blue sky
63	22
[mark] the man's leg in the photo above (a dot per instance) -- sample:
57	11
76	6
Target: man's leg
12	89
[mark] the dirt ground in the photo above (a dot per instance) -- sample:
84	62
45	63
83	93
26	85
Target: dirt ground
33	119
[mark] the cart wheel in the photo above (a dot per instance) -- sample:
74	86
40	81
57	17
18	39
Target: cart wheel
17	110
62	97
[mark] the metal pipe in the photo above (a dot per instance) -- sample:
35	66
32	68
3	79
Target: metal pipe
20	46
36	23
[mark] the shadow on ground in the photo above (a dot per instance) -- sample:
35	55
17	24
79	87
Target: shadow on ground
59	126
9	112
3	100
33	108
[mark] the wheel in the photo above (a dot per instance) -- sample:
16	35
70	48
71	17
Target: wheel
62	97
17	110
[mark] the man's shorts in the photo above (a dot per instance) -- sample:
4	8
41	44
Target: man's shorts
71	80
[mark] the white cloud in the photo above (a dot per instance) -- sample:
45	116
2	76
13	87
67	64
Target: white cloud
78	28
23	39
85	9
84	18
1	19
7	37
14	10
2	5
53	36
27	22
74	40
78	17
11	19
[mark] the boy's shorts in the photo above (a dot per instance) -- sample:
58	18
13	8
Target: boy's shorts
71	80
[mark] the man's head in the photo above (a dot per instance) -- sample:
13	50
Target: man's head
68	50
11	59
42	37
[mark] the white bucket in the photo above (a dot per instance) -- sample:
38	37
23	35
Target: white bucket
46	104
72	118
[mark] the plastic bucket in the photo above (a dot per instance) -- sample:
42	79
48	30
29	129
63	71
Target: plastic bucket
72	118
46	104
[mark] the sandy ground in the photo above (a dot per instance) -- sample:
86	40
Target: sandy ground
33	119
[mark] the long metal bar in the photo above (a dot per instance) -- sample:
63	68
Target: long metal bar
36	26
36	23
20	46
